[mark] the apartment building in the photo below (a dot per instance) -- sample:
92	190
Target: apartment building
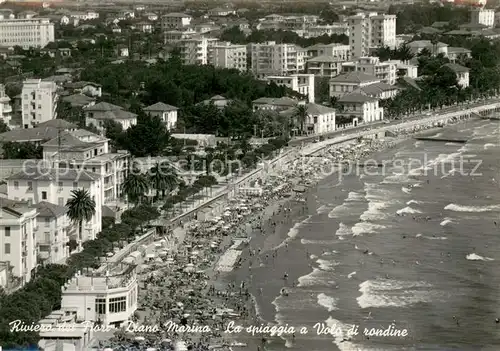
38	102
5	108
384	71
371	31
167	113
197	50
461	72
320	119
227	55
434	48
175	21
87	152
269	58
17	237
35	184
326	29
32	32
324	66
96	115
347	83
485	17
53	232
360	108
174	36
108	296
301	83
337	51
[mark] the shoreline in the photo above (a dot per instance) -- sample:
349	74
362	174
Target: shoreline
208	288
288	226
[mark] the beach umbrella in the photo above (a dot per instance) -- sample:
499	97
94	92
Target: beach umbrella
139	338
108	349
150	256
151	349
110	254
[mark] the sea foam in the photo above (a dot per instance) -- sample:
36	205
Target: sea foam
460	208
475	257
328	302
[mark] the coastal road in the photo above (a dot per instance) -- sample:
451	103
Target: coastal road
376	125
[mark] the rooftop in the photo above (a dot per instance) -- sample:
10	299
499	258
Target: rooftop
354	77
54	174
376	88
47	209
80	85
58	123
456	68
103	107
283	101
78	100
17	208
160	106
421	44
32	134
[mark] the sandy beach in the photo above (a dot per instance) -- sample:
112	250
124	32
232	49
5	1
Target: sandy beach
197	280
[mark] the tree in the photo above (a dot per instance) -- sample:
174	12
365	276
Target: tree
163	178
135	186
81	207
3	127
300	114
24	150
148	137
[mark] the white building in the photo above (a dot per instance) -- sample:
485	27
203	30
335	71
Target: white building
485	17
197	50
231	56
337	51
54	338
361	107
33	32
5	108
384	71
37	182
461	72
320	119
434	48
175	21
167	113
301	83
371	31
53	232
38	102
96	115
17	237
405	69
109	297
328	29
84	150
347	83
324	66
270	58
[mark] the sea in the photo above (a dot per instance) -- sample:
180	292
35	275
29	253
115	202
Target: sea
408	244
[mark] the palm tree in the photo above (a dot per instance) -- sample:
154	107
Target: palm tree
163	177
300	114
81	207
135	186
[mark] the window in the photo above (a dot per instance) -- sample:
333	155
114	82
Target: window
30	186
75	185
100	306
60	201
47	222
7	249
44	195
7	231
60	185
118	304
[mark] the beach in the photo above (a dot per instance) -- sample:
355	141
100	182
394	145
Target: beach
272	260
409	251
